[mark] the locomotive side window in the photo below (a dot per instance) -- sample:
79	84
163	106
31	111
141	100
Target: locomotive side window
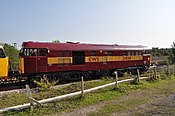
128	53
33	52
136	53
42	52
93	53
60	54
124	53
146	52
64	53
109	53
26	52
140	53
67	53
2	54
132	53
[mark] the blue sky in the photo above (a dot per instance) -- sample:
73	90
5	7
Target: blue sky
132	22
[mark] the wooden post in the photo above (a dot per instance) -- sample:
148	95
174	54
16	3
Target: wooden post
82	86
167	70
116	78
155	73
31	100
152	75
29	94
130	74
138	77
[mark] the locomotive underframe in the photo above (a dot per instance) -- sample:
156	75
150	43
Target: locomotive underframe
73	75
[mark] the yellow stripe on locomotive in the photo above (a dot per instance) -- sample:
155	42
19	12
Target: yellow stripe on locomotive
88	59
59	60
112	58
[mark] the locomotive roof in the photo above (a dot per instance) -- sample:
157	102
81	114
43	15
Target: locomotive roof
80	46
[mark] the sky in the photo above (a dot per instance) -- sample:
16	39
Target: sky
128	22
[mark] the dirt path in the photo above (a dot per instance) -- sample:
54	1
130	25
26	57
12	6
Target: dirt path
160	102
161	107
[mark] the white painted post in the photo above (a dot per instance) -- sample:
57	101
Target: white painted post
138	77
130	74
168	72
155	72
116	78
29	94
82	86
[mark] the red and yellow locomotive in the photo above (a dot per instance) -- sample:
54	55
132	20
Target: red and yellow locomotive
69	60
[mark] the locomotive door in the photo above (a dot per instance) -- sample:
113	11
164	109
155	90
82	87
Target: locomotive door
78	57
41	60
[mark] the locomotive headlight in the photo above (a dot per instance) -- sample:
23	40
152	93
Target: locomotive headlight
148	58
48	51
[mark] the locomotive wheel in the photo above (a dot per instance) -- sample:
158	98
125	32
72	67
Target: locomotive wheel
55	79
86	76
105	73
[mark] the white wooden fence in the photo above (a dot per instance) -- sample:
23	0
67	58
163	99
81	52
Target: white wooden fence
58	98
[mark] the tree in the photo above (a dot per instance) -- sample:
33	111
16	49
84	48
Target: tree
56	41
11	52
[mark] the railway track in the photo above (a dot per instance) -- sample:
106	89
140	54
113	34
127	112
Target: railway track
12	85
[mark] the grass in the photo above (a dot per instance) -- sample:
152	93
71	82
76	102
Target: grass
119	107
102	95
158	87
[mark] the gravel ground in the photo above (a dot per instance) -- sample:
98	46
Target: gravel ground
160	103
162	107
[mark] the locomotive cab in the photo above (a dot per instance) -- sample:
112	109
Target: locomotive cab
33	60
4	64
147	58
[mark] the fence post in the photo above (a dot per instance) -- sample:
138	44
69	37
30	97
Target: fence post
82	86
167	70
29	94
138	77
116	78
155	72
130	74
